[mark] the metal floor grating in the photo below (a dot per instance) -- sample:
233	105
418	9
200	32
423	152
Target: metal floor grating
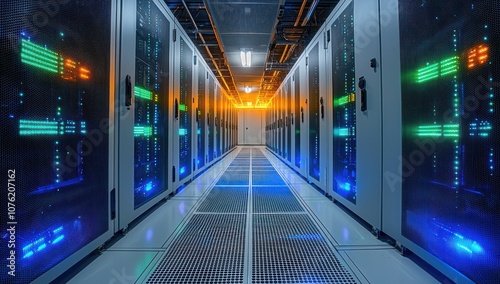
243	163
234	178
282	244
288	248
238	168
274	199
256	162
262	168
225	200
267	178
210	249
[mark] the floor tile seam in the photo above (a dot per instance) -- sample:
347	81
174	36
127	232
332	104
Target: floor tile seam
185	221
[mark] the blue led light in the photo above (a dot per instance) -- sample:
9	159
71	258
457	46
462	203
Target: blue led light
41	247
182	170
58	239
149	186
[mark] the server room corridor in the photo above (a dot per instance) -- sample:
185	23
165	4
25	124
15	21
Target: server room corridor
250	219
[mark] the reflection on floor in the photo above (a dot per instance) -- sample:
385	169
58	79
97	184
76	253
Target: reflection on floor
250	219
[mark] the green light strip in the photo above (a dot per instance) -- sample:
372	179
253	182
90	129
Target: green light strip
39	48
182	132
343	100
39	64
449	66
182	107
428	69
39	57
346	99
143	131
431	134
446	67
38	132
447	130
142	93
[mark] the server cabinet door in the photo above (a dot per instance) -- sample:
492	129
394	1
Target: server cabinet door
183	78
201	117
224	124
211	119
218	115
441	182
356	115
143	120
283	121
56	135
316	91
289	121
304	120
298	114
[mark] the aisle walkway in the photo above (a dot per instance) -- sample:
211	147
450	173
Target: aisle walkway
250	219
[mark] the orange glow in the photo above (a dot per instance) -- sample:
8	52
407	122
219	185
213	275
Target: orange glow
69	63
84	73
69	70
477	56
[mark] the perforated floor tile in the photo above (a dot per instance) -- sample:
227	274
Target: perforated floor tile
274	199
289	248
226	200
210	249
234	178
267	178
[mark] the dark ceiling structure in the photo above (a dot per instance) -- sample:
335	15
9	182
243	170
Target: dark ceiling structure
274	31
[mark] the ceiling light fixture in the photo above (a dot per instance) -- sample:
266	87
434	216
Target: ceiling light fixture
246	58
248	89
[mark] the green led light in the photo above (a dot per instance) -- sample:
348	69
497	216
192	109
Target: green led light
145	131
449	65
444	67
198	132
142	93
429	134
343	100
38	48
346	99
38	56
39	65
182	107
38	132
30	54
447	130
427	73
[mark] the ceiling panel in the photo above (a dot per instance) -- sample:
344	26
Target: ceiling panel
254	42
244	16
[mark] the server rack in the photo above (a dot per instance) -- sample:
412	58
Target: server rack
304	119
57	135
279	113
218	115
289	120
200	115
355	176
211	120
298	114
143	120
184	87
316	101
441	196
